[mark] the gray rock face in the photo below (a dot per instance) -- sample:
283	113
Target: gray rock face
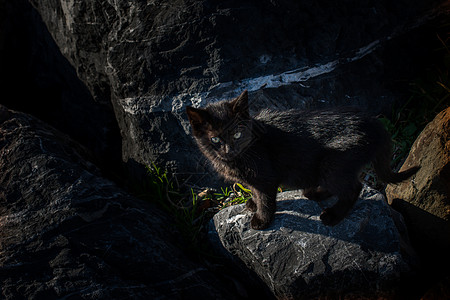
152	59
300	258
37	79
65	232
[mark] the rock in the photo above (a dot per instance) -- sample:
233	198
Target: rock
151	60
300	258
439	291
65	232
424	200
39	80
428	189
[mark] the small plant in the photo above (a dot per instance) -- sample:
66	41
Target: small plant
403	134
190	210
238	195
184	208
430	94
158	185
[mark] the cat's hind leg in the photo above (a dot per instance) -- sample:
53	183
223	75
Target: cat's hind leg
347	196
317	193
339	176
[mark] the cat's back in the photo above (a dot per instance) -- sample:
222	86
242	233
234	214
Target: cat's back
295	118
286	120
334	128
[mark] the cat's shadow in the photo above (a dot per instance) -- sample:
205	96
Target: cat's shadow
361	227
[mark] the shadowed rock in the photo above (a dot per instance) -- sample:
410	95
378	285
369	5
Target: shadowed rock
67	232
424	200
300	258
151	59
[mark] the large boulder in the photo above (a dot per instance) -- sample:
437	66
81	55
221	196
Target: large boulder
424	200
151	59
38	79
68	233
298	257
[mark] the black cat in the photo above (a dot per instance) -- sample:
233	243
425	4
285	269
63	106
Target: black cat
321	152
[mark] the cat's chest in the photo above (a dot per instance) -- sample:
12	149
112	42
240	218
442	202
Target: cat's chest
232	171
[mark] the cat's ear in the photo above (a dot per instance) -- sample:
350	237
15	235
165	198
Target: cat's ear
197	117
240	105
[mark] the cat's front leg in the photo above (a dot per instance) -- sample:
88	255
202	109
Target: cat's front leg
250	205
265	200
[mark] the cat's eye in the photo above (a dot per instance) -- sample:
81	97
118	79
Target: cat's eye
215	140
237	135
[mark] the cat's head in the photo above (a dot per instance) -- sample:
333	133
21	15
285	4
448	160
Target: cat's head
222	129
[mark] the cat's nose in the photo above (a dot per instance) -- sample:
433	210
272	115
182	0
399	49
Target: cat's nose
229	152
227	149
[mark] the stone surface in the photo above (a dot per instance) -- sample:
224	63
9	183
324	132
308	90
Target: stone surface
300	258
151	59
424	200
439	291
65	232
429	188
92	68
38	79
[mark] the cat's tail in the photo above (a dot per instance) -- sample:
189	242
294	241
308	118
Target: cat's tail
382	162
389	176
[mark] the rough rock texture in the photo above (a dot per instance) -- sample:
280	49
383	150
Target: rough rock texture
38	79
151	59
424	200
67	233
429	188
300	258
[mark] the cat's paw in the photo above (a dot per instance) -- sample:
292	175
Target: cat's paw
250	205
330	218
258	223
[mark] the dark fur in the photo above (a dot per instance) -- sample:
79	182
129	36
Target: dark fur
321	152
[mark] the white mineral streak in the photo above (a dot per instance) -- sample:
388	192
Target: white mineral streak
143	104
278	80
301	74
130	105
286	78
